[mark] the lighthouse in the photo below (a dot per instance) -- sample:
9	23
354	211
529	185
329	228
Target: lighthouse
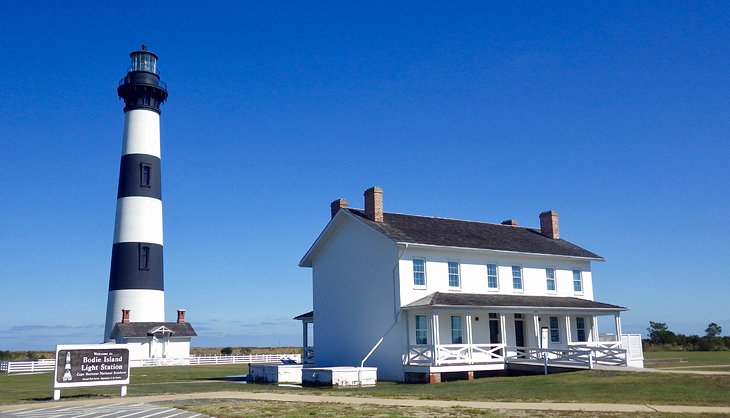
136	274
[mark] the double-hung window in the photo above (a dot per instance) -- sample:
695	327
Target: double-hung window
492	282
419	272
580	326
454	280
421	332
550	277
554	330
577	282
517	277
456	329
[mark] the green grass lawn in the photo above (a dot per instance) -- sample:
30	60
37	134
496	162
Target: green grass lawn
694	358
583	386
243	408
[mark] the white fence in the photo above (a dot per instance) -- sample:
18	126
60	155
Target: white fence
48	365
44	365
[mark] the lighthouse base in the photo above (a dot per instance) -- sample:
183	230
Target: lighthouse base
144	306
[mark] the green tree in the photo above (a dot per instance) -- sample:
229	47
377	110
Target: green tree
227	351
713	330
659	333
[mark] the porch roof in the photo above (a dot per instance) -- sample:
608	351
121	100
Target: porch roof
305	316
143	329
509	301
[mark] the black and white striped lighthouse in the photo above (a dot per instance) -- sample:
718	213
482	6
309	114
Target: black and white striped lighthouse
136	276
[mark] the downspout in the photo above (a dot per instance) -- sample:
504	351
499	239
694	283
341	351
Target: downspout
396	308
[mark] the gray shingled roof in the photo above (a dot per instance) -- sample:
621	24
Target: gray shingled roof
512	301
142	329
469	234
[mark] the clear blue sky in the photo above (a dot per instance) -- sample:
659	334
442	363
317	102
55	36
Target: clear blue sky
617	115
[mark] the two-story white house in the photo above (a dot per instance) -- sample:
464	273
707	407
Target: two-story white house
419	296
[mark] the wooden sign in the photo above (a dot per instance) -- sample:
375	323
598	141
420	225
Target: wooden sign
91	365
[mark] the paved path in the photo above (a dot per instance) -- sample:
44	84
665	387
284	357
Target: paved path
134	402
677	370
97	410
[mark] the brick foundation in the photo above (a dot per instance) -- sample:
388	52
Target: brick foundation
434	378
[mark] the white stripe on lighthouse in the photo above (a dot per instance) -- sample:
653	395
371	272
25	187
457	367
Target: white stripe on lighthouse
144	306
141	132
139	219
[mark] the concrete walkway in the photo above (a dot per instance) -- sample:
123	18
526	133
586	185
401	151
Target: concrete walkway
677	370
284	397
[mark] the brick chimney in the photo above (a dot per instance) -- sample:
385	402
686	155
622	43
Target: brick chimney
181	316
374	204
337	205
549	224
125	316
510	222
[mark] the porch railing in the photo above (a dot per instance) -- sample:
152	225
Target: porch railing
308	355
581	355
553	356
602	344
585	355
455	354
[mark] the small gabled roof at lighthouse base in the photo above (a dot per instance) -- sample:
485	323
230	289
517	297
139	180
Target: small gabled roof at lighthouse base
144	329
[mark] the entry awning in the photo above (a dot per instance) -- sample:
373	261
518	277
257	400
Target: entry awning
475	300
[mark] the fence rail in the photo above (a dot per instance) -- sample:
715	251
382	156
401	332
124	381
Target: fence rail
43	365
48	365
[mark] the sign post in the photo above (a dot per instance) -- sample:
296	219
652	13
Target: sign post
81	365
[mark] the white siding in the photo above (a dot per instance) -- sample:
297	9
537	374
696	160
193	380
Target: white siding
354	300
473	273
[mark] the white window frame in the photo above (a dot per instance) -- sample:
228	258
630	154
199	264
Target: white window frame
458	274
556	329
579	281
425	330
579	329
460	329
548	279
522	279
496	277
413	269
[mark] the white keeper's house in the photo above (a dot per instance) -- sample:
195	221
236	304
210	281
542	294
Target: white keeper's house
420	296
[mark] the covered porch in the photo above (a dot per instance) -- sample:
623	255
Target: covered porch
472	332
307	336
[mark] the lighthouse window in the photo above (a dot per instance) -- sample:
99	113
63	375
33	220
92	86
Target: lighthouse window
144	257
145	175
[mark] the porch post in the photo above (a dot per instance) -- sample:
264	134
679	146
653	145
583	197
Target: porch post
536	324
617	318
305	340
567	330
594	324
436	337
503	333
469	341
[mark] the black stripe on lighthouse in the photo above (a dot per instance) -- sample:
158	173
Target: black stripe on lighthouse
136	265
139	175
